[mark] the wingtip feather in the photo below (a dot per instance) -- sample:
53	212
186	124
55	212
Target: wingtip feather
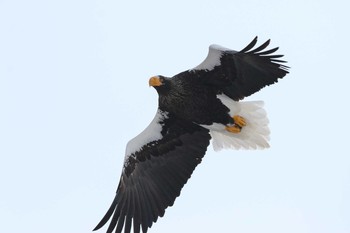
250	45
108	215
261	47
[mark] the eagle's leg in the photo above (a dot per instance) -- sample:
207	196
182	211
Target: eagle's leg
239	122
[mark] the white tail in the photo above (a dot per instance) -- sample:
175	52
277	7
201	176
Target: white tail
255	135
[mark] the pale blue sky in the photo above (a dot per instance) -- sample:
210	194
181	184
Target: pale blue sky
74	89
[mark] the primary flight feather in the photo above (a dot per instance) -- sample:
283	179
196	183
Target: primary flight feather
193	107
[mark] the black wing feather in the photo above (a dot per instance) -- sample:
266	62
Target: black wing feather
269	52
155	175
251	70
108	214
240	74
250	45
130	213
137	215
258	49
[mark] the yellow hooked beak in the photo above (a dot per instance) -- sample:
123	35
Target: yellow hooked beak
155	81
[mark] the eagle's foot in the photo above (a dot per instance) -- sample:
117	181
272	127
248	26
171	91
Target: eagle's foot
233	129
240	121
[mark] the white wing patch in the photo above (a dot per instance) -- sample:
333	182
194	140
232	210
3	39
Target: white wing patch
151	133
255	135
213	58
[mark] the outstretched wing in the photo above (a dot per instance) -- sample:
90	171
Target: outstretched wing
240	74
158	163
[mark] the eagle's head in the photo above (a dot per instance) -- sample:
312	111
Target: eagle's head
160	83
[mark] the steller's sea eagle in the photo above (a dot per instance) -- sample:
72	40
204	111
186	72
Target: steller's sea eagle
193	107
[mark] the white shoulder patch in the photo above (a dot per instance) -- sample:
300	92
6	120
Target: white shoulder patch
213	58
151	133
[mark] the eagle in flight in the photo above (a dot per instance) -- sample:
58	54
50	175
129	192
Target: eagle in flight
194	107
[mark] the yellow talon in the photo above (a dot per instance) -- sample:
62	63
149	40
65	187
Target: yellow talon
240	121
233	129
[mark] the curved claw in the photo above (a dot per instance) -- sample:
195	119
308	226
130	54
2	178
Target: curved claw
240	121
233	129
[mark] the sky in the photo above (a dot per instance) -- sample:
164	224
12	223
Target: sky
74	90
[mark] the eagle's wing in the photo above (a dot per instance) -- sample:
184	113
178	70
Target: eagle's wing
158	163
240	74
